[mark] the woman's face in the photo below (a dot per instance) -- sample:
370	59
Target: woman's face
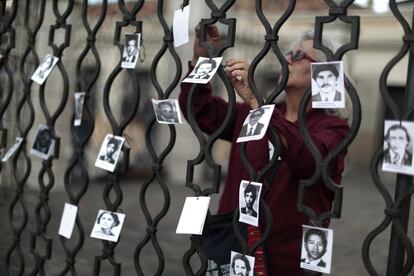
106	221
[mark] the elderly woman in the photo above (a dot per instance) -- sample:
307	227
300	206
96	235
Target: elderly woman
282	248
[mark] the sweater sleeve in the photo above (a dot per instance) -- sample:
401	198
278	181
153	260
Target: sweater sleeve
325	131
209	110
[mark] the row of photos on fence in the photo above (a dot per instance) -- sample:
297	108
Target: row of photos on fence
328	91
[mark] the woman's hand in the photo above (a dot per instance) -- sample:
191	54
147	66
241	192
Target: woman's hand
237	70
213	37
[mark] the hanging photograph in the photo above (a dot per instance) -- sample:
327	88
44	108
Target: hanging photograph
44	69
316	249
68	220
109	152
256	123
204	70
79	101
241	265
13	149
167	111
130	54
398	147
328	89
249	195
108	225
43	143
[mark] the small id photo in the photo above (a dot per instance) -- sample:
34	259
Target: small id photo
79	101
13	149
256	123
43	143
167	111
316	249
398	147
241	265
204	70
328	89
249	195
109	152
44	69
108	225
130	54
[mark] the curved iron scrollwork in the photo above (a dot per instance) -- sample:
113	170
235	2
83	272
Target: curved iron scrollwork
322	163
46	176
112	186
397	210
21	172
271	43
77	172
158	160
206	144
7	34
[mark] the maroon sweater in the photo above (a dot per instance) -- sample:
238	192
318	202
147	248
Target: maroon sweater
284	243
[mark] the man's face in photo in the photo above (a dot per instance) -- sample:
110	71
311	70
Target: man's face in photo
398	141
166	110
315	247
240	268
254	118
326	81
249	198
131	47
204	69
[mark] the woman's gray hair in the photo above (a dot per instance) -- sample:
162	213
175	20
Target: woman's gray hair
309	35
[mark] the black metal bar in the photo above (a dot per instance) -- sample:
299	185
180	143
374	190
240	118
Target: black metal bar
404	182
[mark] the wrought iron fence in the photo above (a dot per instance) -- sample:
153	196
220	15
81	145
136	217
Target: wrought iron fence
33	13
401	251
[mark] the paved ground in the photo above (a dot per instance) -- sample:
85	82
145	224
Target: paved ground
362	211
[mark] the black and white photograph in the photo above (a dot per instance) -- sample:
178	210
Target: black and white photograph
109	152
204	70
256	123
108	225
13	149
79	101
316	249
241	265
130	54
167	111
43	143
44	69
249	195
398	147
328	89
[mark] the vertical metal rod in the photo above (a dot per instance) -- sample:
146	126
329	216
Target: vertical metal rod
397	251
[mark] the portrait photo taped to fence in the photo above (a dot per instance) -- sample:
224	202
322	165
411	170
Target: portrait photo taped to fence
327	131
204	70
130	54
109	152
249	195
316	249
241	265
328	85
398	147
108	225
43	143
167	111
44	69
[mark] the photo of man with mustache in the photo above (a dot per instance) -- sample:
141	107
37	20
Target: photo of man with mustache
326	76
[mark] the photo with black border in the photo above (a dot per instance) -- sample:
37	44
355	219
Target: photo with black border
43	142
